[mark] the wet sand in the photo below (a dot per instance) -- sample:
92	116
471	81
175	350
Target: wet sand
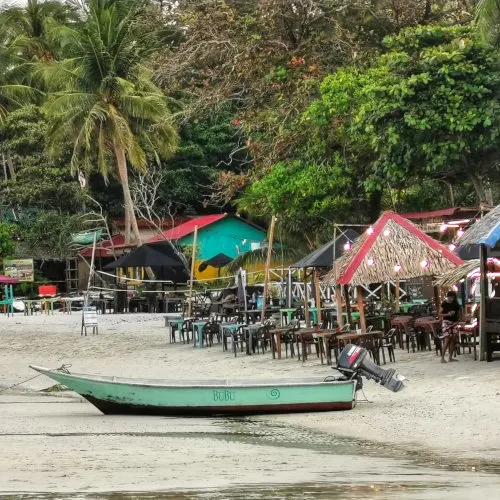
439	435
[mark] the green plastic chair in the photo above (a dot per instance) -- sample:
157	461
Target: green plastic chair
8	301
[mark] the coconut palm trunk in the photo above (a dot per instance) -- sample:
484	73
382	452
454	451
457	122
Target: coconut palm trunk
130	219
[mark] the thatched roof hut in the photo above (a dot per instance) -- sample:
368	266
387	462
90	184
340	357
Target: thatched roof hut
392	248
486	231
453	276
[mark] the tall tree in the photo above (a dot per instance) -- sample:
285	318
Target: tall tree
428	109
488	18
28	27
104	101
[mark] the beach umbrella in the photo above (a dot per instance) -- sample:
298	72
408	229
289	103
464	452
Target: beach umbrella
242	284
163	259
7	280
218	261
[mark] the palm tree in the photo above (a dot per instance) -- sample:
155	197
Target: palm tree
488	17
104	102
28	27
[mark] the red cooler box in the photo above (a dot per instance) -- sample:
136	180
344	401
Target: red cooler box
47	290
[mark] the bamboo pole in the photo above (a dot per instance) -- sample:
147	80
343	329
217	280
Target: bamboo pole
91	270
268	264
193	260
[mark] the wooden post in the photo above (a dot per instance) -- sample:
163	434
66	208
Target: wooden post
361	309
318	295
483	263
338	300
306	300
193	260
268	264
91	270
437	300
396	295
347	304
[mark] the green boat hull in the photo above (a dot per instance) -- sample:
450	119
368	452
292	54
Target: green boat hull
113	395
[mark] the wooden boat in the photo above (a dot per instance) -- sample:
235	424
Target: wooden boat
114	395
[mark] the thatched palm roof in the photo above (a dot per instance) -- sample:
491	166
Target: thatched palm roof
485	231
449	278
472	267
392	241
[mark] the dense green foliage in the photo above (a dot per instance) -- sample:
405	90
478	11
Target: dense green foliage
427	109
316	111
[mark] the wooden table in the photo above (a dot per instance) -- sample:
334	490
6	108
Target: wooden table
430	325
277	334
321	335
359	338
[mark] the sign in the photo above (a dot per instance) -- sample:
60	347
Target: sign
90	316
89	320
20	269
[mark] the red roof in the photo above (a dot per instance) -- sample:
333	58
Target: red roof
104	249
377	230
444	212
146	224
182	230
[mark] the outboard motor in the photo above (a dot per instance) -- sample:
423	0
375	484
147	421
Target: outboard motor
354	360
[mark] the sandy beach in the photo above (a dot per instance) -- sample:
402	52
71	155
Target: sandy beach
446	413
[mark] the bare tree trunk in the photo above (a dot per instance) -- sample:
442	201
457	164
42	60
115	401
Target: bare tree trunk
10	164
450	194
130	220
483	190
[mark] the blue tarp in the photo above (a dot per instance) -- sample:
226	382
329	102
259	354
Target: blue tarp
491	238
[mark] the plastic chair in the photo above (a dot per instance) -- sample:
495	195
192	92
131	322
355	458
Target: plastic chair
8	301
387	342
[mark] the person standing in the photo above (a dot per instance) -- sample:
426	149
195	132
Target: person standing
450	313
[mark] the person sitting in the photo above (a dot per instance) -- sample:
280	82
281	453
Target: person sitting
450	313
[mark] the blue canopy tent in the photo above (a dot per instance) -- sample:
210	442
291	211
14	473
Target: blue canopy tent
486	234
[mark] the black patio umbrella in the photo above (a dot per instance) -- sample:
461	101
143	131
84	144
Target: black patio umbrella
166	264
218	261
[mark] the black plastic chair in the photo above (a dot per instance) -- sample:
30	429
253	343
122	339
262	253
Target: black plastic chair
388	341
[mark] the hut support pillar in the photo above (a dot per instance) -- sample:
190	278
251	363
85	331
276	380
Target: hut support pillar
396	295
347	304
361	309
437	301
306	300
483	263
338	300
317	297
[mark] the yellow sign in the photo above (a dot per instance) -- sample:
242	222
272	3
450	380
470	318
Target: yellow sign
20	269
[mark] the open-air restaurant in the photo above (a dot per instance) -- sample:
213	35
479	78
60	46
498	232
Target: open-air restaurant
390	287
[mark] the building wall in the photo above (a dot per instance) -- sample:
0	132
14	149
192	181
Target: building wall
229	236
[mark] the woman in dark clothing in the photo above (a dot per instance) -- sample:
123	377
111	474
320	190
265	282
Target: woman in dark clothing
450	313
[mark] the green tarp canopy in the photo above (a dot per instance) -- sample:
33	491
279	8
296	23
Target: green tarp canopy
86	238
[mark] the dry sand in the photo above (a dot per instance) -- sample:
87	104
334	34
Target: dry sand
448	410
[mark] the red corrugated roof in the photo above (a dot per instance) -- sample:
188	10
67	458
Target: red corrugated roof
146	224
182	230
377	230
444	212
104	249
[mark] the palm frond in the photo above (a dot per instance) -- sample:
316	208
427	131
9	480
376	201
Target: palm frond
488	17
281	256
